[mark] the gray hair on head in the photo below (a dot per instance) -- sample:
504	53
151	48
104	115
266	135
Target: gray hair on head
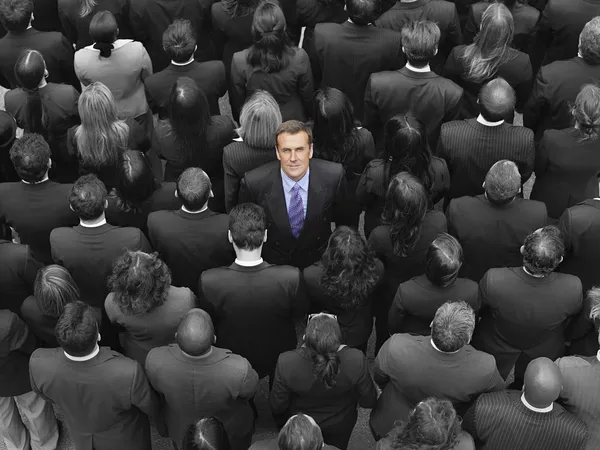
453	326
502	182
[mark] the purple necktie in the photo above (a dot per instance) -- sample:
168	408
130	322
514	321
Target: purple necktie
296	211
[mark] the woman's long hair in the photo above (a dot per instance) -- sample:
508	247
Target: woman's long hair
86	7
240	8
491	47
53	289
272	47
101	138
322	339
136	182
404	211
350	268
586	111
103	31
30	70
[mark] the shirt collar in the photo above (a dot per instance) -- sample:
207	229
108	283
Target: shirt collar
206	355
37	182
288	183
183	208
350	20
182	64
447	353
547	409
255	263
598	355
94	225
412	68
487	123
84	358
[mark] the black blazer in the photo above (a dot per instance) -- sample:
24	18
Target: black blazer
326	194
41	326
18	270
17	343
348	54
45	16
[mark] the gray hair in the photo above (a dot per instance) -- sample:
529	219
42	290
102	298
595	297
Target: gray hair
502	182
259	120
589	42
593	295
453	326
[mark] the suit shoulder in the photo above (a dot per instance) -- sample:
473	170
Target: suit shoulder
262	172
327	28
61	234
283	271
329	168
485	361
453	126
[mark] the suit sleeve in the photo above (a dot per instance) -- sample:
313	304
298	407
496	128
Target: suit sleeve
396	314
452	69
232	184
564	225
523	89
341	215
245	194
455	36
29	270
69	30
144	245
67	68
542	159
496	382
300	302
537	104
370	120
203	301
280	397
146	64
367	393
543	38
19	338
142	395
237	89
248	383
137	23
471	27
306	85
482	297
380	368
56	257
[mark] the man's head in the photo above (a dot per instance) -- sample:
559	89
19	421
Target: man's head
420	42
362	12
496	100
247	226
452	326
194	188
294	148
31	157
88	198
443	260
300	432
179	41
76	330
15	15
196	333
589	42
543	251
502	182
542	382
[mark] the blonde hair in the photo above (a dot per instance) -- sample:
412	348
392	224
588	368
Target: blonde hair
87	7
586	111
259	120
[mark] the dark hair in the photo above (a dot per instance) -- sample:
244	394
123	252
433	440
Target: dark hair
8	134
322	340
140	282
53	289
136	182
586	111
350	268
404	212
272	46
362	12
88	197
179	41
76	330
300	432
103	31
193	188
294	127
452	326
31	157
30	69
589	42
502	182
443	260
543	250
420	41
240	8
207	434
497	100
15	15
247	225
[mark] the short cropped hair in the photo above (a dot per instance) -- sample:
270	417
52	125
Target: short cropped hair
259	120
497	100
193	188
294	127
247	225
179	41
452	326
420	41
362	12
53	289
502	182
589	42
16	14
88	197
31	155
76	330
443	260
543	250
300	433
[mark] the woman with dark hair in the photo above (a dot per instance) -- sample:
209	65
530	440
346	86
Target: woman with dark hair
44	108
402	240
567	162
206	434
432	425
418	299
323	379
144	303
343	282
405	150
488	57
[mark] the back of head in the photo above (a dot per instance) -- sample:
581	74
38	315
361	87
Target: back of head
193	188
322	338
53	289
542	382
88	197
196	333
497	100
272	46
30	156
15	15
207	434
179	41
259	119
593	297
586	112
300	432
443	260
502	182
136	181
543	251
247	225
420	41
30	69
589	42
453	326
362	12
76	330
104	31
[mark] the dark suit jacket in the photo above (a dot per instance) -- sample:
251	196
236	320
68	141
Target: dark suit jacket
114	384
18	270
326	193
41	326
217	384
473	220
17	343
45	16
89	254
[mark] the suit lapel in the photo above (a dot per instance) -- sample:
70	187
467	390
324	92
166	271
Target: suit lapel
316	200
276	201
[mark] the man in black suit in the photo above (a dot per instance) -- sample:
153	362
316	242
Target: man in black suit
18	269
194	238
500	212
558	83
471	147
301	198
350	52
179	43
16	16
254	304
416	88
36	205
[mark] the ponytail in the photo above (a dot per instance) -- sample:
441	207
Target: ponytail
586	112
30	69
322	340
326	366
35	119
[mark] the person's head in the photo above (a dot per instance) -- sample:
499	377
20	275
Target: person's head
196	333
247	226
593	297
272	46
259	119
88	198
362	12
294	148
502	182
322	338
420	41
496	100
104	31
76	330
589	42
300	432
30	71
452	326
194	188
443	260
543	251
15	15
30	156
53	289
139	282
586	111
179	41
207	434
136	182
240	8
542	382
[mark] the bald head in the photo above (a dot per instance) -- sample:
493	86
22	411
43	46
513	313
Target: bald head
542	383
496	100
196	333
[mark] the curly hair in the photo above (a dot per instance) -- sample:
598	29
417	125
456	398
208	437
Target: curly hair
140	282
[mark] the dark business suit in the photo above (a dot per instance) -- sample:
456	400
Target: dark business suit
18	270
45	16
41	325
326	193
17	343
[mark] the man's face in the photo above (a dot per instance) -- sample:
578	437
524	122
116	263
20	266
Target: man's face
294	152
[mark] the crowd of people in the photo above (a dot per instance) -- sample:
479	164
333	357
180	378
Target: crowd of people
159	256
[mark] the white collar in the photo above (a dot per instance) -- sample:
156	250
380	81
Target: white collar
117	44
207	354
93	225
547	409
84	358
425	69
482	121
37	182
532	275
183	64
183	208
598	355
258	262
350	20
446	353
